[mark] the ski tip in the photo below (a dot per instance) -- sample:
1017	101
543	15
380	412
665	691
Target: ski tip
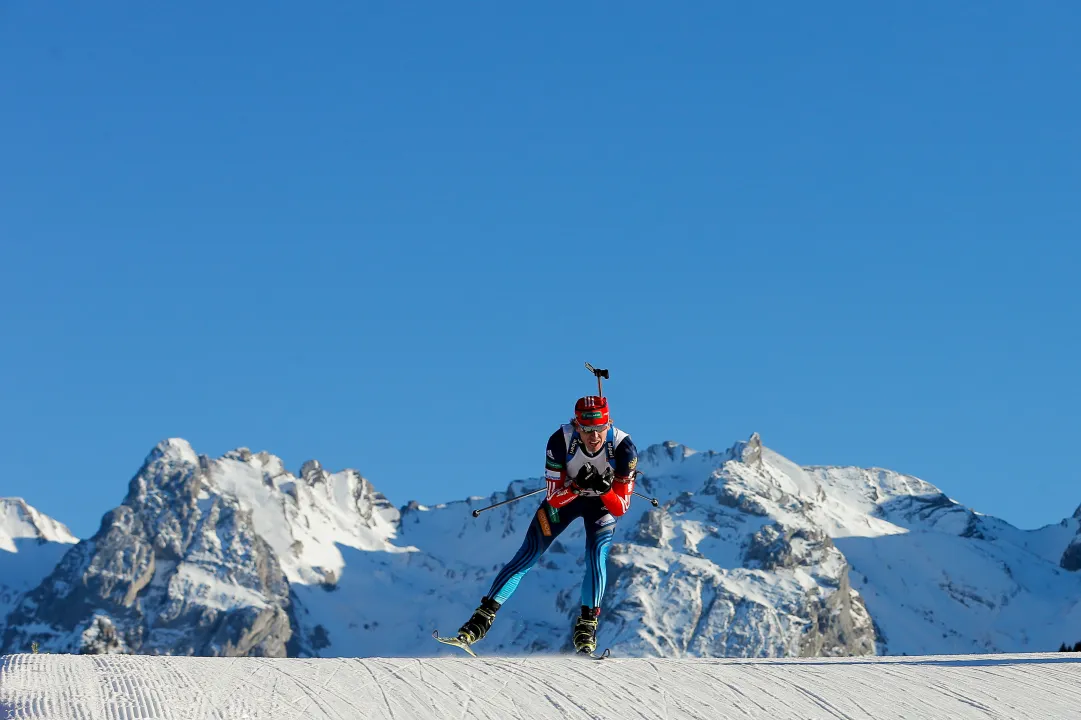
455	641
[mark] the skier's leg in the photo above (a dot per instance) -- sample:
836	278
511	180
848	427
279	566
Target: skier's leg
543	529
600	528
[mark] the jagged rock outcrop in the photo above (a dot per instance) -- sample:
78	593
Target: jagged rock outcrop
177	568
840	624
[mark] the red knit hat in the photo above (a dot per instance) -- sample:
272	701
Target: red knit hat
591	411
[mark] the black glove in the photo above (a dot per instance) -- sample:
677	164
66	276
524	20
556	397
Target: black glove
589	479
603	483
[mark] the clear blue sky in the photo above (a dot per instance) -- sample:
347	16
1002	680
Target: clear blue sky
388	235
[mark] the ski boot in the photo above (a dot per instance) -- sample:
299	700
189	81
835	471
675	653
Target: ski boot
477	626
585	631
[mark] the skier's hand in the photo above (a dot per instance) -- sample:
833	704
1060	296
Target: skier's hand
589	480
584	480
603	483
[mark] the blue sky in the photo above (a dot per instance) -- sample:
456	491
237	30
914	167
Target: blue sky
387	236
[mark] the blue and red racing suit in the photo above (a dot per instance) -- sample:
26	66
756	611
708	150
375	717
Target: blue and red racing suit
565	457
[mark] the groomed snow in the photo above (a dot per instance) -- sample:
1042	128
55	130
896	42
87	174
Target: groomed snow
118	687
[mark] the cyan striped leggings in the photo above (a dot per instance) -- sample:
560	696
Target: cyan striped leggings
545	527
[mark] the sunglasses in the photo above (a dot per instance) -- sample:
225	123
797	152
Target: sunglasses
592	430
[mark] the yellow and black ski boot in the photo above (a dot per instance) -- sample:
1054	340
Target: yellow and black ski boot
585	631
478	626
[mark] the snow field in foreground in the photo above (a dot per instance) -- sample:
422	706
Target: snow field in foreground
126	687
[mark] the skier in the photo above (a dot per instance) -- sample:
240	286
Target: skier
590	468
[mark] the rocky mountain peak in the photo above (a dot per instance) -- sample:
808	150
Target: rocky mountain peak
178	567
748	452
172	450
312	472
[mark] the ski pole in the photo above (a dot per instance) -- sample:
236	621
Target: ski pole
476	513
652	501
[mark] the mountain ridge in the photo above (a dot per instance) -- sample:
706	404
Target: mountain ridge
748	554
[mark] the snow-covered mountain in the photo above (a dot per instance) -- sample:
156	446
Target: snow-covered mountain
748	554
31	543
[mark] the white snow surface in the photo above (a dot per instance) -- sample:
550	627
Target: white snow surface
1006	687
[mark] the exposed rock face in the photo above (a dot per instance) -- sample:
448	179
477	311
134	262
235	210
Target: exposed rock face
175	569
1071	559
840	624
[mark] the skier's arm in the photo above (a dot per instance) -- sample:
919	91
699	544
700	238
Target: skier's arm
618	499
560	492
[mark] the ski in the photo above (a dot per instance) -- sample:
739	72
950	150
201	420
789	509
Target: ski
596	656
456	642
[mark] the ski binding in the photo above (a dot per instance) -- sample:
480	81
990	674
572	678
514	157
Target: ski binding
595	655
455	641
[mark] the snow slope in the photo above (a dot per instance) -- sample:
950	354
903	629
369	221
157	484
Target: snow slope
1006	687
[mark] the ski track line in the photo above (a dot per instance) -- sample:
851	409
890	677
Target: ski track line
866	687
566	678
833	710
428	682
415	697
948	690
736	691
513	697
452	680
758	692
410	692
226	683
905	705
315	693
1039	680
379	687
641	696
447	686
664	691
645	700
488	698
492	696
966	690
548	680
